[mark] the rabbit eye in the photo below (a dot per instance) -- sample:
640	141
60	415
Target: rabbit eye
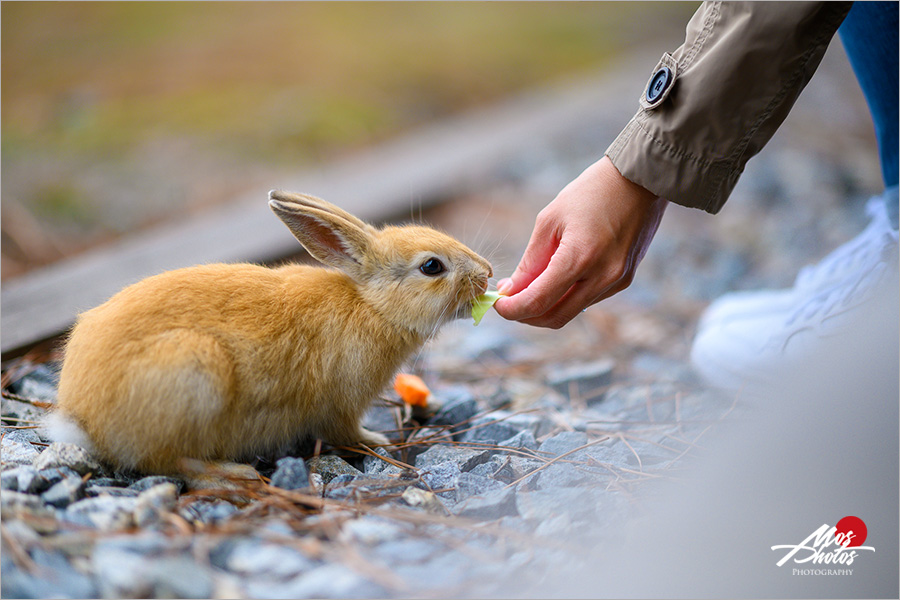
432	267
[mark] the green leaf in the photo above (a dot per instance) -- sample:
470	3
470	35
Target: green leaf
482	303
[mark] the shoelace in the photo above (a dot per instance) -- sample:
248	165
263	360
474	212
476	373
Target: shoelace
854	289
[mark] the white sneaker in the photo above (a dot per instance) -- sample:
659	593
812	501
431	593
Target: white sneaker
831	270
749	339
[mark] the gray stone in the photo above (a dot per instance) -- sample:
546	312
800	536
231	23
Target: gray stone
373	465
16	447
64	492
330	466
328	581
555	527
255	558
18	479
422	439
469	484
490	505
465	458
47	478
546	504
370	531
560	474
146	543
419	498
131	575
489	430
55	578
151	504
105	513
61	454
145	483
92	491
585	380
39	384
291	474
524	440
207	512
409	550
563	442
459	406
507	468
18	505
441	476
627	397
109	482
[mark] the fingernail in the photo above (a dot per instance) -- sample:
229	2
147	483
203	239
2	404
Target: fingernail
504	286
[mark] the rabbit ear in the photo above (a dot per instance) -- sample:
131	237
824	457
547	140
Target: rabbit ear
314	202
329	238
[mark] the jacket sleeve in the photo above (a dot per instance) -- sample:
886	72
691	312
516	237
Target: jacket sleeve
718	99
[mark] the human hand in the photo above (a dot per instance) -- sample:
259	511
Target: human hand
585	247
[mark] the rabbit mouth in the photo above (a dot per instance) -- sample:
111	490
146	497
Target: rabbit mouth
465	310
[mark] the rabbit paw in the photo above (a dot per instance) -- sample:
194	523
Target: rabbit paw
372	438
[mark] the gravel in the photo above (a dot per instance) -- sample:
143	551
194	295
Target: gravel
501	502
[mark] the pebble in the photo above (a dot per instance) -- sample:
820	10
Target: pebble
490	505
524	440
106	513
465	458
18	479
146	483
459	406
584	380
61	454
441	476
374	466
39	384
55	578
418	498
153	503
327	581
489	430
563	442
329	466
256	558
17	449
370	531
559	475
540	505
291	474
64	492
207	512
470	484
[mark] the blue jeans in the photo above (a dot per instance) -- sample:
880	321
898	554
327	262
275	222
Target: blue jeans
869	35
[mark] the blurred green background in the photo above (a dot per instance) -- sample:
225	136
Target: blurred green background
118	115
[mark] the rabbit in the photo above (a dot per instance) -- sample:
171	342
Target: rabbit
224	362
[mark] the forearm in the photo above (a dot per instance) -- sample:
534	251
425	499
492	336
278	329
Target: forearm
736	77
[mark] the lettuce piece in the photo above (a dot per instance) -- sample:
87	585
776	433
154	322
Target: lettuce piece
482	303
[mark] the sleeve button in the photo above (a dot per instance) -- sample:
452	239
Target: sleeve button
659	83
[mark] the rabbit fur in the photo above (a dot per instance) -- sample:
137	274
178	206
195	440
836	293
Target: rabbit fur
225	362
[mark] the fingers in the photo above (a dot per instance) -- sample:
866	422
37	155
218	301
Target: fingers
582	294
545	290
541	247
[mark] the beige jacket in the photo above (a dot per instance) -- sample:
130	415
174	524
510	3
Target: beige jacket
715	102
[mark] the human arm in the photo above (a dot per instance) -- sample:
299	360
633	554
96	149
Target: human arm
733	82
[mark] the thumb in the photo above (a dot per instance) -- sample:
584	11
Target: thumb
538	253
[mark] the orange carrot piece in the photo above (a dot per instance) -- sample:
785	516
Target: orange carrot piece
412	389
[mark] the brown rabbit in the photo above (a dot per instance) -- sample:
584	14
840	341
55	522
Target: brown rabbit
224	362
